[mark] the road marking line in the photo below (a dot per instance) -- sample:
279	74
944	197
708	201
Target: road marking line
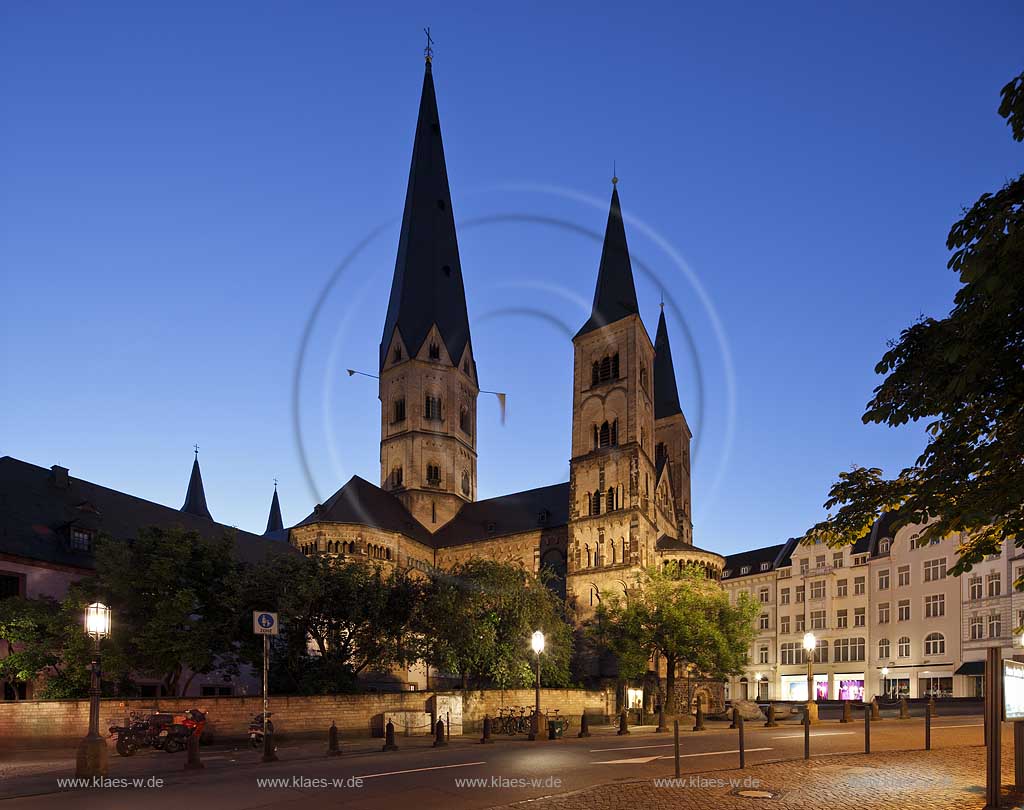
818	734
418	770
963	725
630	748
635	761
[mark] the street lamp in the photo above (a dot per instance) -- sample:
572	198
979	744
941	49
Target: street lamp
885	682
810	645
537	642
92	751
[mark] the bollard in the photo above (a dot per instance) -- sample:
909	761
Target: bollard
193	763
439	739
332	741
269	749
389	738
487	731
623	724
867	730
904	709
875	714
770	722
699	724
661	720
584	726
675	732
928	726
743	757
735	714
847	713
534	726
807	735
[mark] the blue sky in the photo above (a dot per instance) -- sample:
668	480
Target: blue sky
179	183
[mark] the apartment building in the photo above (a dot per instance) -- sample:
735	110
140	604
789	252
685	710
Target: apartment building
888	617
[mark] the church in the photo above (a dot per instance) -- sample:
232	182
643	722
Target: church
627	503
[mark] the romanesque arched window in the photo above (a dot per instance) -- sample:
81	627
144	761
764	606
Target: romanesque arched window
612	503
586	553
605	435
465	483
595	374
597	437
464	422
612	554
434	475
596	508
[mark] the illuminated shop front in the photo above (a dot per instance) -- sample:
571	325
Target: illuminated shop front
794	687
848	686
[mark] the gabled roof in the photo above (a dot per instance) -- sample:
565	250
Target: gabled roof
666	396
427	287
195	497
39	507
274	521
754	559
615	294
541	508
366	504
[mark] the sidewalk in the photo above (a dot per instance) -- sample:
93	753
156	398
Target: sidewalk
950	779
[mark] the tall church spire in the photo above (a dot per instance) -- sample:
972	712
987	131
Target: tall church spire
195	498
666	396
274	522
615	296
427	287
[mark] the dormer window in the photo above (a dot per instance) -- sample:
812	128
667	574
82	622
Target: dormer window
434	351
727	573
765	566
745	570
81	539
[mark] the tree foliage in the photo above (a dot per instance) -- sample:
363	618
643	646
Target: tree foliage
338	619
681	616
176	600
964	374
475	620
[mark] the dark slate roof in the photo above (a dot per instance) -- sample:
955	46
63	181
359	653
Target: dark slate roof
274	521
615	294
883	527
195	497
38	508
427	286
666	543
366	504
666	397
734	563
541	508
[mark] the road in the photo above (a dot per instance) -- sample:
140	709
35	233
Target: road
420	777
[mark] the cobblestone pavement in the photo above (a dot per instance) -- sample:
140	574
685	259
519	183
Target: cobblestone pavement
950	779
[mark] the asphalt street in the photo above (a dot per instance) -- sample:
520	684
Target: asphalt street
464	774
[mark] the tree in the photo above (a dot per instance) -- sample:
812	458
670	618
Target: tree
475	620
46	644
965	374
680	616
175	598
338	619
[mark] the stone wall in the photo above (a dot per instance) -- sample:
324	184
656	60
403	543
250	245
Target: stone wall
63	722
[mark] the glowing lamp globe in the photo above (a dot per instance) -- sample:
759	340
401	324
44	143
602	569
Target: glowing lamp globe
97	620
810	642
537	642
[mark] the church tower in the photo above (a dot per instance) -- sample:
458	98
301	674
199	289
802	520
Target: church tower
612	478
428	381
671	432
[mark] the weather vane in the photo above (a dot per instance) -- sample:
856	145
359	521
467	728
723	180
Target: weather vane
428	52
196	446
615	175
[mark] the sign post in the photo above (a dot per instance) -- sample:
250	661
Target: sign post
264	624
1013	709
993	726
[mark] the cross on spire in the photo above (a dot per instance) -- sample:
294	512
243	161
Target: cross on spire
275	483
196	446
428	52
615	175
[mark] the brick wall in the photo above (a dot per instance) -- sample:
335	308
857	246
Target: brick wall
60	722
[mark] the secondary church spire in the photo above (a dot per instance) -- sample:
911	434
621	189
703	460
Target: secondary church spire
427	287
274	522
615	295
195	497
666	396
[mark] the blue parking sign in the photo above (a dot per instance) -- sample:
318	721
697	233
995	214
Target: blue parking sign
264	623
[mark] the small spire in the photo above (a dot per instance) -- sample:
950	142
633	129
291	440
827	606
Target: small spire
428	52
666	395
274	521
195	497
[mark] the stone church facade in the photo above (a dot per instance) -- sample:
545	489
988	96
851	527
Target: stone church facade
627	504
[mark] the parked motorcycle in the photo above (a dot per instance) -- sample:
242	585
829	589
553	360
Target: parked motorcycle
174	738
141	732
256	730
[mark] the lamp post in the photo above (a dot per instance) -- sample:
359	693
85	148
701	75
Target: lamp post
92	751
885	681
810	645
537	642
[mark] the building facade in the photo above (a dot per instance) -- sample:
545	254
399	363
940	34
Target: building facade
889	603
